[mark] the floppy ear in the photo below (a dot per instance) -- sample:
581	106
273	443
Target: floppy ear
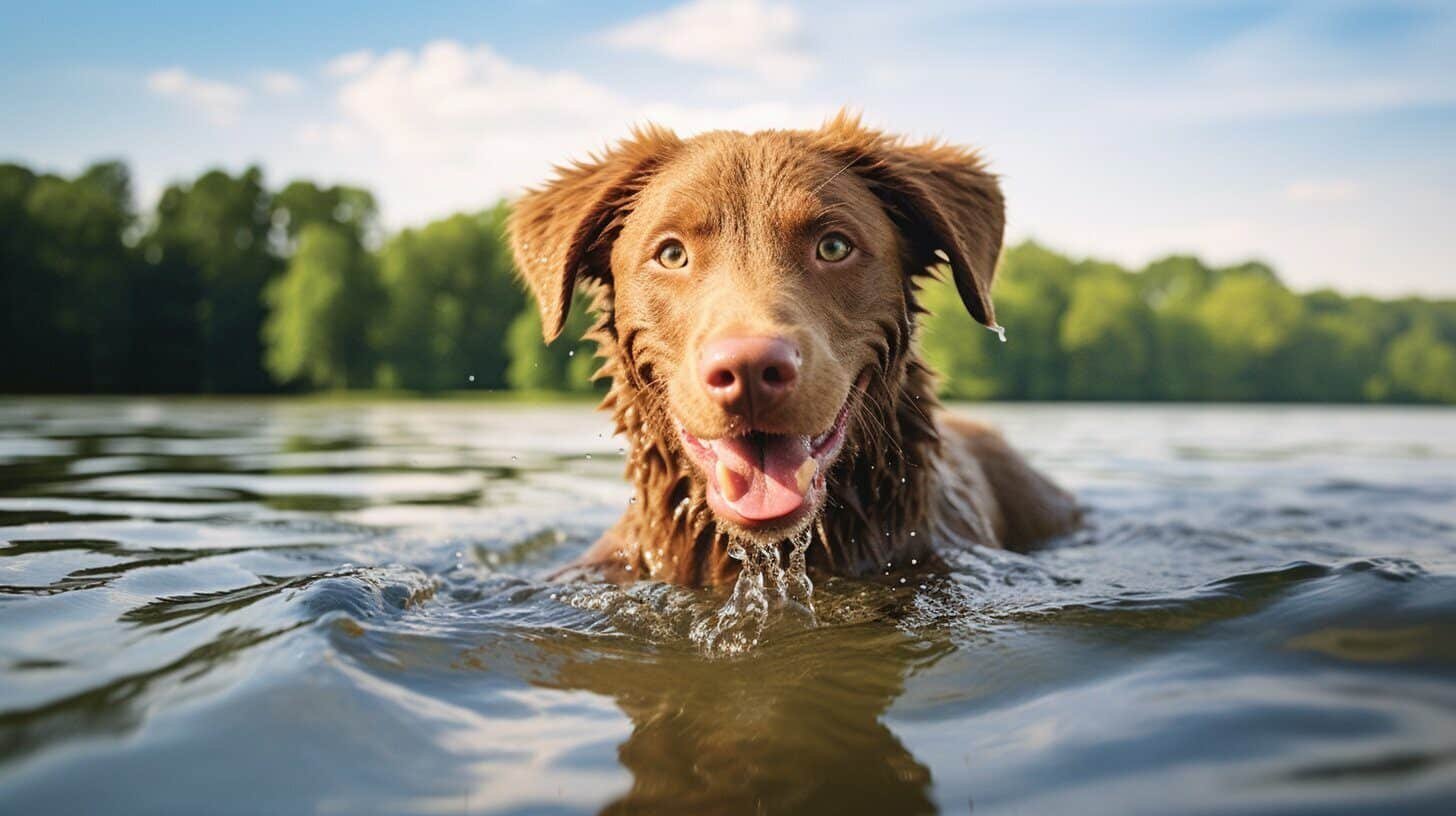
940	195
564	230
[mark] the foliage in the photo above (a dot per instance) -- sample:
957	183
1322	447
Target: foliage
1181	330
566	365
321	310
228	287
450	296
210	241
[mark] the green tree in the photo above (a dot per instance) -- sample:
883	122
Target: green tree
1107	335
957	347
211	238
566	365
1419	365
303	203
1031	294
24	314
1248	317
67	279
451	297
321	309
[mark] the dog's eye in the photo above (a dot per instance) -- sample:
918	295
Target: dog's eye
672	255
834	247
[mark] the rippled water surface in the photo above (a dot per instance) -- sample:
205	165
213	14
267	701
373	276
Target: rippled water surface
285	607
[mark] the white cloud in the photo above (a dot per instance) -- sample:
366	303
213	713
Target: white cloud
449	102
350	64
280	83
452	127
1321	191
1238	143
220	102
758	36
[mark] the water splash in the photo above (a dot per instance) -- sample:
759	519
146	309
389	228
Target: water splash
799	589
763	590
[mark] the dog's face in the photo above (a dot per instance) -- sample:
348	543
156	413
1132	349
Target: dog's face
757	285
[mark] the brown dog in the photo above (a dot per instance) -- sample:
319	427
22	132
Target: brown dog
756	302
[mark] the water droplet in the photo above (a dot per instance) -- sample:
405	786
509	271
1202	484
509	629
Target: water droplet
1000	332
571	353
912	535
588	457
472	378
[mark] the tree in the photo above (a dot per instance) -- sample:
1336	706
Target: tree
451	297
956	346
565	365
1030	296
211	238
1107	334
320	311
22	324
67	279
302	204
1419	365
1247	316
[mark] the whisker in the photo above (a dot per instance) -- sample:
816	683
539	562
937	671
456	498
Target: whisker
837	173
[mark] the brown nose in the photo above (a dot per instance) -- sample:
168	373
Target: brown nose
749	375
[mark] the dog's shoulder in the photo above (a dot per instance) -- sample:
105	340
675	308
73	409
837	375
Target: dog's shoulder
1022	505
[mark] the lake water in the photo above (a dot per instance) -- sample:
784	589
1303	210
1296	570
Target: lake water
292	607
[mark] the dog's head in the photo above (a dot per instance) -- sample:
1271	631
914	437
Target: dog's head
755	285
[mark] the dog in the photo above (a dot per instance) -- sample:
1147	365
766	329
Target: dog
756	314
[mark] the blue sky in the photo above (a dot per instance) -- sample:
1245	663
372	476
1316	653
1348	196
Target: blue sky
1316	136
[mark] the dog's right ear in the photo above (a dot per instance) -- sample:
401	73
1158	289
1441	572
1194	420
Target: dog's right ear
563	231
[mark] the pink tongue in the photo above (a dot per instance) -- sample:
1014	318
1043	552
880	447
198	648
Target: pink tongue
769	464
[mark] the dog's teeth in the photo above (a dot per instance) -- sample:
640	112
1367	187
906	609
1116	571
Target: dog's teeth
805	475
729	484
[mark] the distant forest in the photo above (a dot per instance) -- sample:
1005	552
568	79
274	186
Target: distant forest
230	287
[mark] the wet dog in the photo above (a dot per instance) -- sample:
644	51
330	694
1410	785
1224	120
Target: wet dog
756	302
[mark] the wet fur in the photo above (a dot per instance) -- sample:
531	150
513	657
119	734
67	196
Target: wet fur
910	475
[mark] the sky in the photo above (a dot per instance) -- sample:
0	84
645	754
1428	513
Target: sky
1319	137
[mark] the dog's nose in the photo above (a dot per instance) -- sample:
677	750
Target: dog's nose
749	375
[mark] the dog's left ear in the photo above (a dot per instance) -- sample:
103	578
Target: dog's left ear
940	195
563	231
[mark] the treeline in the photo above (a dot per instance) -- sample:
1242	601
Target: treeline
1181	330
230	287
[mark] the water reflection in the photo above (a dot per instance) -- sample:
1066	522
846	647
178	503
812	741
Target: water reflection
794	727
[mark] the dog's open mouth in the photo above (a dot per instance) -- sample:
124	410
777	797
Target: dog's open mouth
762	480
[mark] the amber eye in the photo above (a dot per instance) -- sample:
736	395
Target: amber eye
834	247
672	255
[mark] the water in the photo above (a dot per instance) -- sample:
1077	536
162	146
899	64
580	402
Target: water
282	607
